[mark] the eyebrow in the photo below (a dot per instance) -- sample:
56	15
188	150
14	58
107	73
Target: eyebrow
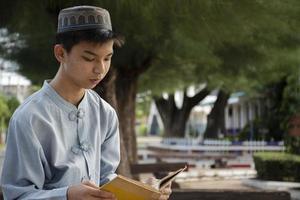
92	53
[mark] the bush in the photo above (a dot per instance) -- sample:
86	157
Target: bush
277	166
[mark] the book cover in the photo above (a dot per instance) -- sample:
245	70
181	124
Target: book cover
128	189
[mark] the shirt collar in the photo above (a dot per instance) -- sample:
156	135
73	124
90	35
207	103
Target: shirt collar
60	101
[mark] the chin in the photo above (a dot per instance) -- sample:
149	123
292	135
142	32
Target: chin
91	86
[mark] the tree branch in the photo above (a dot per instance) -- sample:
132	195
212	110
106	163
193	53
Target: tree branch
193	101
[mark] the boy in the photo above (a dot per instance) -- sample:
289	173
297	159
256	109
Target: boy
63	141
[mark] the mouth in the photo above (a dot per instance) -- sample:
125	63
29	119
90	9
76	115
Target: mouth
95	81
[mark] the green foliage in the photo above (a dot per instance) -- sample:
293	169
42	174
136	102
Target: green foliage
189	42
143	104
4	113
269	166
4	109
234	45
141	130
12	104
7	108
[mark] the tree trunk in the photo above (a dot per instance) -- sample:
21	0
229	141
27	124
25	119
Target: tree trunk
174	118
216	118
126	89
107	90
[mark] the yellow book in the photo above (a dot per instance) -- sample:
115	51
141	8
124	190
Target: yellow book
128	189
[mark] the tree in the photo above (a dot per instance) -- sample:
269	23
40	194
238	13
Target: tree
174	118
241	53
216	118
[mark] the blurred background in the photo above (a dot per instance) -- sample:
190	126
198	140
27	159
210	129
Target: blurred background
211	84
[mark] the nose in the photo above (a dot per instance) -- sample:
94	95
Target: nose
99	67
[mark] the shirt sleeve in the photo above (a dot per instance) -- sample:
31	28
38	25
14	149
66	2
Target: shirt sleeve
23	175
110	151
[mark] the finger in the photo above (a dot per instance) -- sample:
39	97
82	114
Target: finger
166	191
101	194
90	184
94	190
164	197
165	194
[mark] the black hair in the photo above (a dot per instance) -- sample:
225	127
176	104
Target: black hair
71	38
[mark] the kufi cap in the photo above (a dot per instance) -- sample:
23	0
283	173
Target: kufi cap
83	18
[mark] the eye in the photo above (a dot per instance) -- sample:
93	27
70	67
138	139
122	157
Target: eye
88	59
107	59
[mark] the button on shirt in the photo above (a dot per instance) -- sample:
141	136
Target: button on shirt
53	144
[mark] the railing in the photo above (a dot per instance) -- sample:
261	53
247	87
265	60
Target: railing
219	145
195	141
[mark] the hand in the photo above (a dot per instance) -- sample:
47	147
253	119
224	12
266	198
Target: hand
88	191
165	192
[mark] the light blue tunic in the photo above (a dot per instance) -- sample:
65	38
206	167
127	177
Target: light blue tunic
53	144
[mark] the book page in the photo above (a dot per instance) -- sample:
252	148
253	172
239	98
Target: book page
167	179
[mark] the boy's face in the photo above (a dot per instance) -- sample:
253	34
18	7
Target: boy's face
87	63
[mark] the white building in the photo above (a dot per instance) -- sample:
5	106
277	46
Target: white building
240	111
14	84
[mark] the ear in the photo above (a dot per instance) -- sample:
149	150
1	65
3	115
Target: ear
59	53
